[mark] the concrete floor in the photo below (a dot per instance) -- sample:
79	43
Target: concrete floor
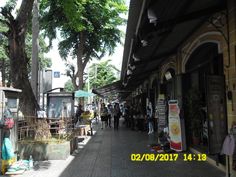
108	152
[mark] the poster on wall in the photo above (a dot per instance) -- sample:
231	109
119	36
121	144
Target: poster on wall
59	107
175	126
161	113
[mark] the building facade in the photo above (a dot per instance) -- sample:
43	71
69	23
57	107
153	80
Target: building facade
186	52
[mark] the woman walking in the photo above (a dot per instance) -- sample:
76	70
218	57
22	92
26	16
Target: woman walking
149	118
117	114
104	113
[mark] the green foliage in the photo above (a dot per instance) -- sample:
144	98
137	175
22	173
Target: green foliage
4	59
44	62
102	74
69	86
10	5
194	105
96	20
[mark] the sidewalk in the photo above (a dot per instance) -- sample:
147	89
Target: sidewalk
107	154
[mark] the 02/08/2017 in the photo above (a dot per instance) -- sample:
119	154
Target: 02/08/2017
154	157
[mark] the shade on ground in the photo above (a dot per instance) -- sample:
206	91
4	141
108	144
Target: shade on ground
108	153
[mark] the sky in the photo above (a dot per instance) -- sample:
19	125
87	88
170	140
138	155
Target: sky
58	65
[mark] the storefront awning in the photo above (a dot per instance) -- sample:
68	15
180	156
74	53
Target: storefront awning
156	29
115	90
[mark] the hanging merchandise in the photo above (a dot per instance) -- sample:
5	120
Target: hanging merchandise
161	109
8	156
175	133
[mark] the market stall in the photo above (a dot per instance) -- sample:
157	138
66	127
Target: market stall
9	101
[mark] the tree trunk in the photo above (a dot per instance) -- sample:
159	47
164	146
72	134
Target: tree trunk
19	60
80	51
35	62
18	63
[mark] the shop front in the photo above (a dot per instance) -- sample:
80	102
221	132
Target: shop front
204	100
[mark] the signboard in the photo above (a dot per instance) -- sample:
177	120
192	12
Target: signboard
56	74
60	105
174	126
161	112
216	107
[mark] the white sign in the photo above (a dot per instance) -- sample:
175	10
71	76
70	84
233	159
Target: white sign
175	126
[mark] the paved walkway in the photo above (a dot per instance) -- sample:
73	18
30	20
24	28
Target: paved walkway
107	154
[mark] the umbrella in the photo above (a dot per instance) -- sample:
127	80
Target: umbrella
81	93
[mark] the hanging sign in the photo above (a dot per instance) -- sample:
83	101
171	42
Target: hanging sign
174	126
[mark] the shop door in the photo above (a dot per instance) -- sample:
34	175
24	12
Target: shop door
216	110
185	86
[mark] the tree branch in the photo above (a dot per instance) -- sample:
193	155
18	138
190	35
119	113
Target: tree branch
25	11
24	14
86	60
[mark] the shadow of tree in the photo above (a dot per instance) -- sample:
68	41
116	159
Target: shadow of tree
42	165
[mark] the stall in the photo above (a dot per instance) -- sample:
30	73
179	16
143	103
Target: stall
9	101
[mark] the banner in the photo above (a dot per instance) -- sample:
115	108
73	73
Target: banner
161	112
175	126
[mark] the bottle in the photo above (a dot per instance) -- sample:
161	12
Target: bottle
31	162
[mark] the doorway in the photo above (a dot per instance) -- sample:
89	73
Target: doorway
204	81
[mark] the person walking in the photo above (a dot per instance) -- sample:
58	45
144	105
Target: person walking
117	114
94	108
110	114
149	118
104	114
78	113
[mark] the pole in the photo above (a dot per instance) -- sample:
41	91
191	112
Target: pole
35	33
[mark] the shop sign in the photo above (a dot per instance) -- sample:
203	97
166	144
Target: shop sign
174	126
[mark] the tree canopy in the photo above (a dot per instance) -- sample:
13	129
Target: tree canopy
88	29
102	74
44	62
69	86
17	50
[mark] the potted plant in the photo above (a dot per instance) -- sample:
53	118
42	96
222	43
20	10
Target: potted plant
193	112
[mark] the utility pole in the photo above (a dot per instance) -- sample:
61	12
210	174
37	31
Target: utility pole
35	44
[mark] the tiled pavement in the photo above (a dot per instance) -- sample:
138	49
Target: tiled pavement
107	154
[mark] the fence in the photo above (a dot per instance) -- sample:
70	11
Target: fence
45	128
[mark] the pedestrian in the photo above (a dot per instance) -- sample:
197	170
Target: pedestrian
149	118
126	114
104	114
94	108
132	114
117	115
110	114
78	113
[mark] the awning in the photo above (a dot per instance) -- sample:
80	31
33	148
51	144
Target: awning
115	90
81	93
158	30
